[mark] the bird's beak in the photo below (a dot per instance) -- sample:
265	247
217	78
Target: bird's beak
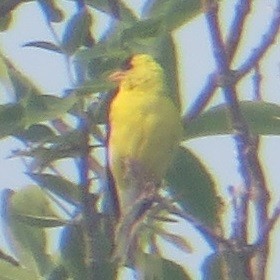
117	76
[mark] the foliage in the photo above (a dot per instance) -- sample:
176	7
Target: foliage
94	244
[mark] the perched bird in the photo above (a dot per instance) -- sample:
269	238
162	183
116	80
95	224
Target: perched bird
145	129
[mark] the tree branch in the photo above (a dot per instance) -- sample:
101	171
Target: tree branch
267	40
242	10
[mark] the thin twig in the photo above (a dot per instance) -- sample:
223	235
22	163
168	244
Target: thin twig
257	79
115	9
240	127
235	209
85	183
213	239
268	227
242	10
8	258
242	134
58	42
58	203
203	98
267	40
247	146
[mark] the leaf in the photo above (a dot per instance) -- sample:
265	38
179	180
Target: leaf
44	45
4	75
10	272
28	241
5	22
36	133
155	267
263	118
58	185
101	50
76	31
100	66
41	222
6	6
173	13
43	157
105	270
52	12
194	187
213	267
165	51
94	86
12	119
73	251
23	86
39	108
177	241
58	273
98	111
105	6
227	264
8	258
142	29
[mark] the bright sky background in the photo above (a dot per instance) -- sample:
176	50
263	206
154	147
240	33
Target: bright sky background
195	61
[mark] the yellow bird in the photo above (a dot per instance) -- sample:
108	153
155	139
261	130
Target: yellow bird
145	129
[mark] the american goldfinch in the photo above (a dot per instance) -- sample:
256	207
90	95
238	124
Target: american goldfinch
145	129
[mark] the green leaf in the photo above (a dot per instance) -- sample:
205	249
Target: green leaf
6	6
94	86
36	133
73	252
23	86
4	75
177	241
52	12
142	29
165	52
105	270
76	31
194	187
212	268
44	45
58	185
155	267
12	119
263	118
173	13
58	273
41	222
229	265
102	50
5	22
39	108
10	272
8	258
45	156
101	66
105	6
28	242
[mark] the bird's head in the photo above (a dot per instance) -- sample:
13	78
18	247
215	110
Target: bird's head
141	71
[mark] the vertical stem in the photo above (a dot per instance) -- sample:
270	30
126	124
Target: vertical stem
241	130
241	12
90	217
